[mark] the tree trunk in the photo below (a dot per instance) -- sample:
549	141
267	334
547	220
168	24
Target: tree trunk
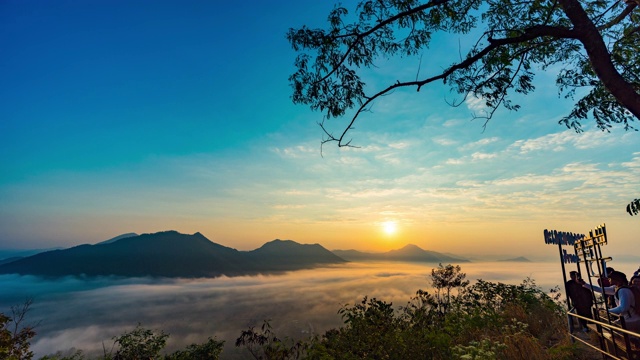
599	56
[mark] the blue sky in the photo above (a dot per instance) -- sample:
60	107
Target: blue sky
155	115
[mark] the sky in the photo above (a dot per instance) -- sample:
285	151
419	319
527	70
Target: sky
145	116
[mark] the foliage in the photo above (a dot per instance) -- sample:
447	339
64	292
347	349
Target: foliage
210	350
263	344
447	278
478	350
74	355
593	43
139	343
634	207
14	337
143	344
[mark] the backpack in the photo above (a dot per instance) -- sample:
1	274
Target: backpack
636	297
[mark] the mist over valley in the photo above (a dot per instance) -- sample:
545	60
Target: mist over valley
300	297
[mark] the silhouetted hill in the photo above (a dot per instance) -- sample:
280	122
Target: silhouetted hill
14	254
123	236
168	254
411	253
282	254
11	259
518	259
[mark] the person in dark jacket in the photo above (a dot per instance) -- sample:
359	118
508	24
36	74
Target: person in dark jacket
581	300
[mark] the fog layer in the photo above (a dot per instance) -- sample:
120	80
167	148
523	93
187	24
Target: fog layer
85	313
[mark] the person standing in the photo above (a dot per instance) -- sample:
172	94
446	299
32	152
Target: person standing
604	282
581	298
624	298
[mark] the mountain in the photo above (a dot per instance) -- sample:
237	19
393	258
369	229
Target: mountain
123	236
518	259
411	253
281	254
170	254
11	259
8	255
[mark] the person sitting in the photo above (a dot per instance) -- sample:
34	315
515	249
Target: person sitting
624	298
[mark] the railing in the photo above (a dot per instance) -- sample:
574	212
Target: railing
613	339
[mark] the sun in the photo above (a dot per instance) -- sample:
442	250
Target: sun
390	227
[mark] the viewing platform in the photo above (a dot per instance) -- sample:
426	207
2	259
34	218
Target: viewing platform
607	332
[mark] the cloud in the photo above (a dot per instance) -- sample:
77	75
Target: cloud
399	145
482	156
389	159
475	104
480	143
299	192
444	141
191	310
454	162
557	142
367	193
288	207
296	151
87	313
634	164
452	123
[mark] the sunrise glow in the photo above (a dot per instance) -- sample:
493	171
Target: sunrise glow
390	227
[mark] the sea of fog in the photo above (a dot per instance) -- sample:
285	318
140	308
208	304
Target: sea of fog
87	313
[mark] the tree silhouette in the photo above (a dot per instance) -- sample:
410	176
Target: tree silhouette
15	336
595	43
447	278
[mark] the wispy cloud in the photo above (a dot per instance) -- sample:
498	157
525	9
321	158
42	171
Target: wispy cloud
480	143
482	156
476	105
295	151
444	141
559	141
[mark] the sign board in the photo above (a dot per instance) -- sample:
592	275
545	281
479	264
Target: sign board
563	238
584	247
553	237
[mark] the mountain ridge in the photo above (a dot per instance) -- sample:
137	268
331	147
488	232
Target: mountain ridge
409	252
169	254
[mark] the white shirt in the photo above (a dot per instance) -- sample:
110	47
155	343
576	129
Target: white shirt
624	300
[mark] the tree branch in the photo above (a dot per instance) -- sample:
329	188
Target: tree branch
380	25
529	34
628	10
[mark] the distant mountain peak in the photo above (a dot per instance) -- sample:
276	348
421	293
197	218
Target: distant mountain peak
411	247
517	259
119	237
281	245
409	252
